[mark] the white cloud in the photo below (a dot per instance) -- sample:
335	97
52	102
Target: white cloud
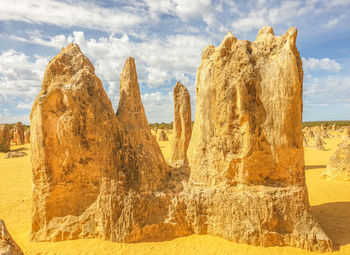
314	64
23	105
20	76
82	14
331	23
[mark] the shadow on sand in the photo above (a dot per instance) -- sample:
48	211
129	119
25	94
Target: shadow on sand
20	149
309	167
334	219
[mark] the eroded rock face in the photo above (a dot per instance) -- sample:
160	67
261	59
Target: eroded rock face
182	127
18	134
7	245
27	136
73	128
338	167
144	164
319	144
247	139
94	171
5	138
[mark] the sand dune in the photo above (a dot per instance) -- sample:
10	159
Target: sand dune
330	204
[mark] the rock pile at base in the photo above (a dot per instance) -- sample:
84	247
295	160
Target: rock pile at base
5	138
18	134
182	127
98	174
162	136
7	245
338	167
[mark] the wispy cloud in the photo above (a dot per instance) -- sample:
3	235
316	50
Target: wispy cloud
326	64
76	13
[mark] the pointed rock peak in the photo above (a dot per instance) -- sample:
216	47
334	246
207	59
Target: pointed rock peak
180	89
130	98
265	32
291	34
228	39
72	46
229	34
68	62
178	85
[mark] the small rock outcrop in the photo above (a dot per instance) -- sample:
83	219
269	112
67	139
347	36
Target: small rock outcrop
338	167
319	144
5	138
162	136
182	127
27	136
18	134
7	245
15	154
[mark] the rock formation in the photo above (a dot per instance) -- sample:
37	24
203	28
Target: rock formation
101	175
145	166
319	144
5	139
182	127
15	154
7	245
18	135
305	142
162	137
73	127
310	134
338	167
27	136
94	171
247	145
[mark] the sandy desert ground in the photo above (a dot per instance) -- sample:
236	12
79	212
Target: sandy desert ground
330	204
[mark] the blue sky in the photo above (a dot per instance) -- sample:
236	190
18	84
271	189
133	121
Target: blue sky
166	39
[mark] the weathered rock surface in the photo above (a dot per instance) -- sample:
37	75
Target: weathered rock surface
15	154
144	165
100	175
7	245
162	136
27	136
319	144
182	127
73	127
5	139
94	171
338	167
247	139
18	134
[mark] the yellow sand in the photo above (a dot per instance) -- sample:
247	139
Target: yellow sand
330	201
